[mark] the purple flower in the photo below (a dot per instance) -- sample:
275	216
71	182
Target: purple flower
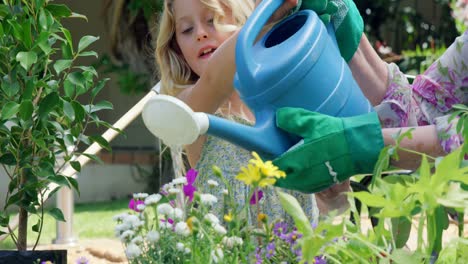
169	220
258	256
320	260
134	204
280	228
189	189
256	197
270	250
82	260
291	237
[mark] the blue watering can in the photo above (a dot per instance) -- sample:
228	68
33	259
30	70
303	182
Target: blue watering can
296	64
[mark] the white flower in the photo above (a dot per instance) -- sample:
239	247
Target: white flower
225	192
187	250
178	214
140	207
173	191
153	236
180	246
166	209
153	199
120	217
212	183
231	242
165	225
182	229
219	229
137	240
211	218
133	221
127	234
181	180
121	228
208	199
167	186
217	255
140	195
132	251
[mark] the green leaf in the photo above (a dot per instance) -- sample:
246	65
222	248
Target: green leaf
77	78
68	37
76	15
48	103
26	110
101	141
68	110
9	110
4	11
369	199
37	226
294	209
99	87
88	53
10	88
401	229
79	111
76	165
102	105
61	65
74	184
26	59
69	88
27	38
58	10
57	214
8	159
85	42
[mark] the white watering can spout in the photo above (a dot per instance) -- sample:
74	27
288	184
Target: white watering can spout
174	122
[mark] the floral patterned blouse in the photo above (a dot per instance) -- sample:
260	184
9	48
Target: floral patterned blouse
429	100
230	158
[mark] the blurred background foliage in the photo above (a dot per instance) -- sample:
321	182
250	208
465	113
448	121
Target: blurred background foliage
411	33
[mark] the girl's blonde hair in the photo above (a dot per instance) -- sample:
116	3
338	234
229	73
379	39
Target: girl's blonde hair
175	73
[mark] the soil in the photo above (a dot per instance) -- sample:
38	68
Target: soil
95	251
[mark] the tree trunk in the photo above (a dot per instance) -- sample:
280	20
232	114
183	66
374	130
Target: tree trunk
22	223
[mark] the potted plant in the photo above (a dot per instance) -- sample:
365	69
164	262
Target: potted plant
42	121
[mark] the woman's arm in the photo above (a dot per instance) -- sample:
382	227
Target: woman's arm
369	71
424	140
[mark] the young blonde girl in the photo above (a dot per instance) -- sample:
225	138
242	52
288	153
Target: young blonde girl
190	32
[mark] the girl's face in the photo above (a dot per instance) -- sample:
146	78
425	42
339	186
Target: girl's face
195	33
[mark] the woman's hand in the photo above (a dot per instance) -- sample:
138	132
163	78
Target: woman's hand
282	11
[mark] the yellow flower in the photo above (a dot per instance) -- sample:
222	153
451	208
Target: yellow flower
267	168
262	218
249	175
228	217
190	223
266	181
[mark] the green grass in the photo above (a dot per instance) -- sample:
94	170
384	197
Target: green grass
89	221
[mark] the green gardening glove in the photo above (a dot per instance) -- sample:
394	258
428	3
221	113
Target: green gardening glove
333	148
346	20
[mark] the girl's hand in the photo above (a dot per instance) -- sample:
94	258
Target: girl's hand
282	11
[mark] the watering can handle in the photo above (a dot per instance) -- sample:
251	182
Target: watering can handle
252	28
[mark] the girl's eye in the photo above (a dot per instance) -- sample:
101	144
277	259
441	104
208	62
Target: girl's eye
187	30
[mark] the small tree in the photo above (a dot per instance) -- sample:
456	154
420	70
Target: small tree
41	115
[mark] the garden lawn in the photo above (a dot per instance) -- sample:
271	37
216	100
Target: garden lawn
93	220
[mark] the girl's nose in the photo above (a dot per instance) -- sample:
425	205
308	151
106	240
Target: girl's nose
200	37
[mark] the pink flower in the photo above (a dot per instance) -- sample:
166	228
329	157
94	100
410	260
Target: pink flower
134	204
189	189
256	197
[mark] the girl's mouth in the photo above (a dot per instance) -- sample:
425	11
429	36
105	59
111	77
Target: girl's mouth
207	52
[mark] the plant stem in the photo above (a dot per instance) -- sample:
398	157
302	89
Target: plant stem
21	244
